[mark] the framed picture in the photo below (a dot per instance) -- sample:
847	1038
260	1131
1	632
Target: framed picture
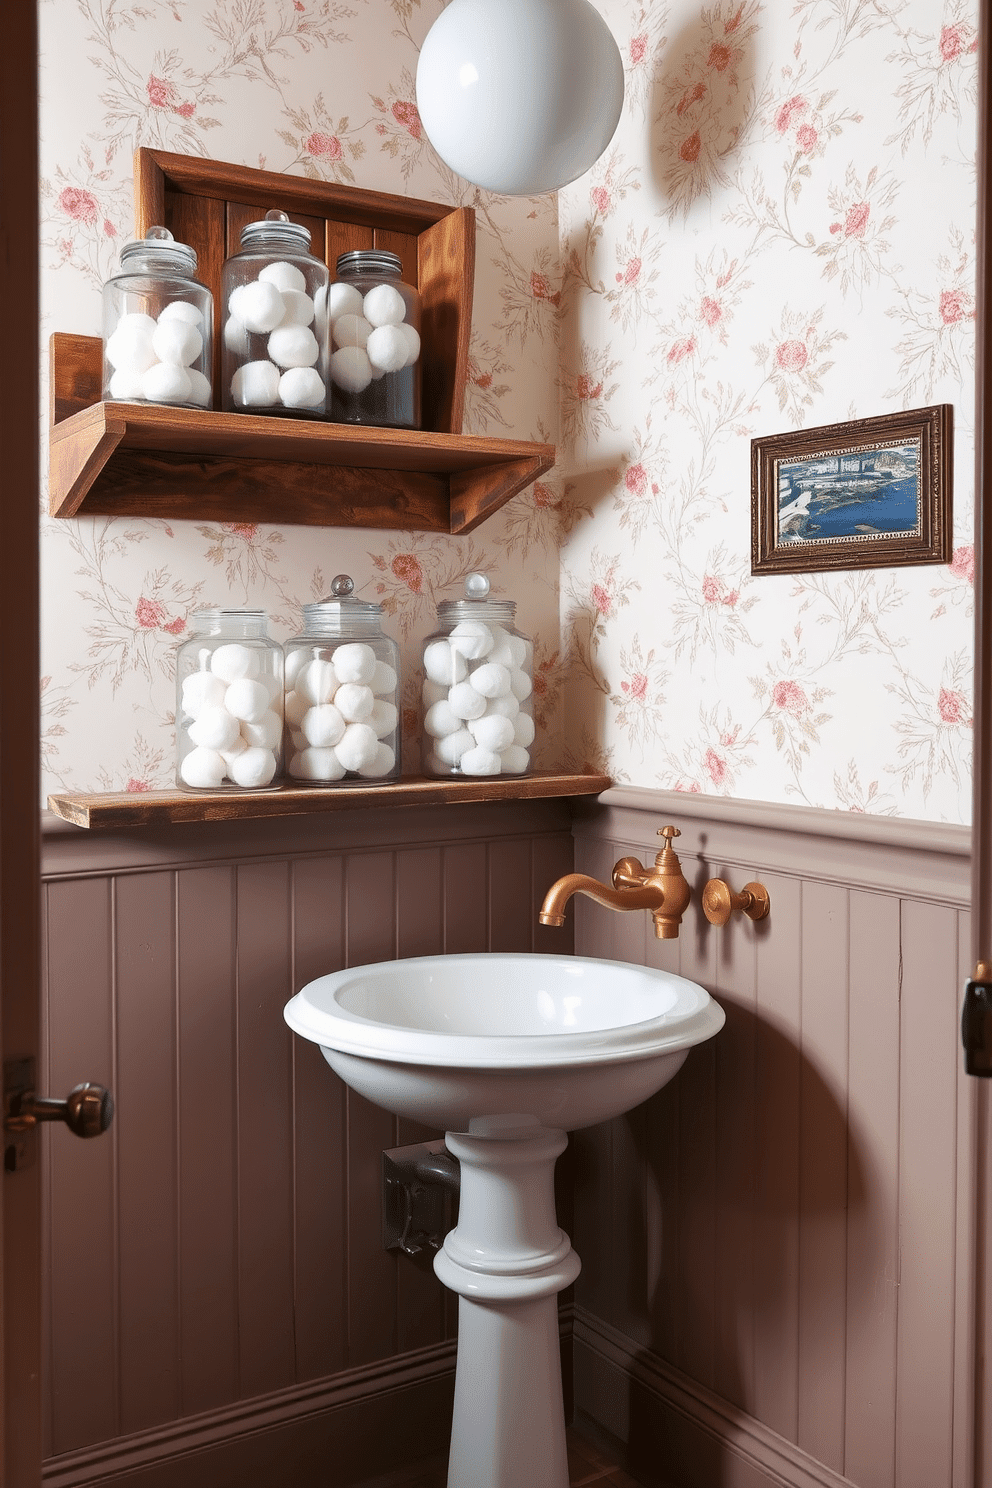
872	493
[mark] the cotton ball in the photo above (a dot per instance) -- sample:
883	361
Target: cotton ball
247	700
491	679
299	308
238	747
301	387
177	342
492	732
432	692
316	764
130	345
284	276
297	704
201	690
260	306
343	299
317	681
358	746
354	702
323	726
256	385
384	305
351	330
520	684
233	661
320	310
351	369
479	761
444	665
354	662
166	383
126	385
386	349
181	310
441	719
506	706
294	664
412	338
514	760
215	728
236	336
473	639
502	652
253	768
384	679
523	730
200	390
383	718
293	346
234	299
202	768
266	733
298	739
381	763
450	749
465	701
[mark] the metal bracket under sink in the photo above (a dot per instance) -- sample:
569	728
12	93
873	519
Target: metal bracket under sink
419	1196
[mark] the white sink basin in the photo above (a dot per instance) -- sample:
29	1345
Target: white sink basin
460	1041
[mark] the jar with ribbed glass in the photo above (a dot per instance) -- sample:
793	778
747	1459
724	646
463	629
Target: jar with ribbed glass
274	353
157	326
477	688
342	694
229	703
375	342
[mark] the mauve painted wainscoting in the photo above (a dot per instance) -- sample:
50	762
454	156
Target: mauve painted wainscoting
778	1279
219	1307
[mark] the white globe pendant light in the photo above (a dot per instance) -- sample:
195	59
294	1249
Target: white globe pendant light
520	96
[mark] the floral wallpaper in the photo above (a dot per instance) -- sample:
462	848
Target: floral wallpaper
780	235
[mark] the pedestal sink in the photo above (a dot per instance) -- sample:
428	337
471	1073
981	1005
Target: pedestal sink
505	1054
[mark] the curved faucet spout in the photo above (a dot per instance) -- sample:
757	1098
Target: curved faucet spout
646	896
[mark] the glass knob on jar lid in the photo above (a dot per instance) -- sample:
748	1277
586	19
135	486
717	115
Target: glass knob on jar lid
477	688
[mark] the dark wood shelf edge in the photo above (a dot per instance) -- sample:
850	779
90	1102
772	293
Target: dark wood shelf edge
159	808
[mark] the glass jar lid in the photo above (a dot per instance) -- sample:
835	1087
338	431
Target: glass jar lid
340	613
159	250
369	261
477	605
275	229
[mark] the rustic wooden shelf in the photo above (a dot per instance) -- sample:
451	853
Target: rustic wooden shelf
159	808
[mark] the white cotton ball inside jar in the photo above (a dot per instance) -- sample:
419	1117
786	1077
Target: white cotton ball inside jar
384	679
293	346
504	707
465	701
490	679
317	681
381	763
301	387
357	747
502	652
343	299
354	662
294	663
351	369
130	345
323	726
204	769
298	308
492	732
201	690
450	749
354	702
297	705
443	665
316	764
284	276
472	638
232	662
177	342
259	305
320	310
351	330
238	747
384	305
266	733
523	730
126	385
521	684
215	728
246	700
200	389
181	310
236	336
411	336
166	383
479	761
386	349
256	385
441	719
514	760
253	768
384	718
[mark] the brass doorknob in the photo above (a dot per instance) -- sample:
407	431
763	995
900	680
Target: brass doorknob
87	1110
720	901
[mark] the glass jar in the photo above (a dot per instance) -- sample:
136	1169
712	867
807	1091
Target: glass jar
274	354
342	694
229	703
477	689
157	326
375	342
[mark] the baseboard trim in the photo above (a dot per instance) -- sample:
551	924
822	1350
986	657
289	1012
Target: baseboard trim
363	1418
698	1438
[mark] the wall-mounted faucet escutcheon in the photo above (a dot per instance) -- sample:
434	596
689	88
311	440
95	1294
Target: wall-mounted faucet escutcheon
720	901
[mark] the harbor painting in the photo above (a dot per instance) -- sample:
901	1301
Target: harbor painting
865	494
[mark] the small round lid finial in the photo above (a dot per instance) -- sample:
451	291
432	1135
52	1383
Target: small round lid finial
159	235
275	215
342	586
477	586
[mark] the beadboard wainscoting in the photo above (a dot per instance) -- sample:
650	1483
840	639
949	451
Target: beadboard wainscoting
219	1307
778	1281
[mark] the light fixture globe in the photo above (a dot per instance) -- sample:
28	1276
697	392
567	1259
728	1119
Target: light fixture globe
520	96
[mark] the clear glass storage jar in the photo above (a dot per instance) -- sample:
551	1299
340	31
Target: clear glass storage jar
229	703
375	342
477	688
157	326
274	353
342	694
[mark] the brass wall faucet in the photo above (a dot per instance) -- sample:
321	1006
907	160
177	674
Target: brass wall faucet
663	890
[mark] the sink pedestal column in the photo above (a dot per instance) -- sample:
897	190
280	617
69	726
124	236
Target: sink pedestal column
507	1260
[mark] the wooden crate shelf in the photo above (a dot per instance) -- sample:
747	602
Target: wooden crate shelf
160	808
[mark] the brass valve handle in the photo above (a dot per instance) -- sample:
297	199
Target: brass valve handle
720	901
